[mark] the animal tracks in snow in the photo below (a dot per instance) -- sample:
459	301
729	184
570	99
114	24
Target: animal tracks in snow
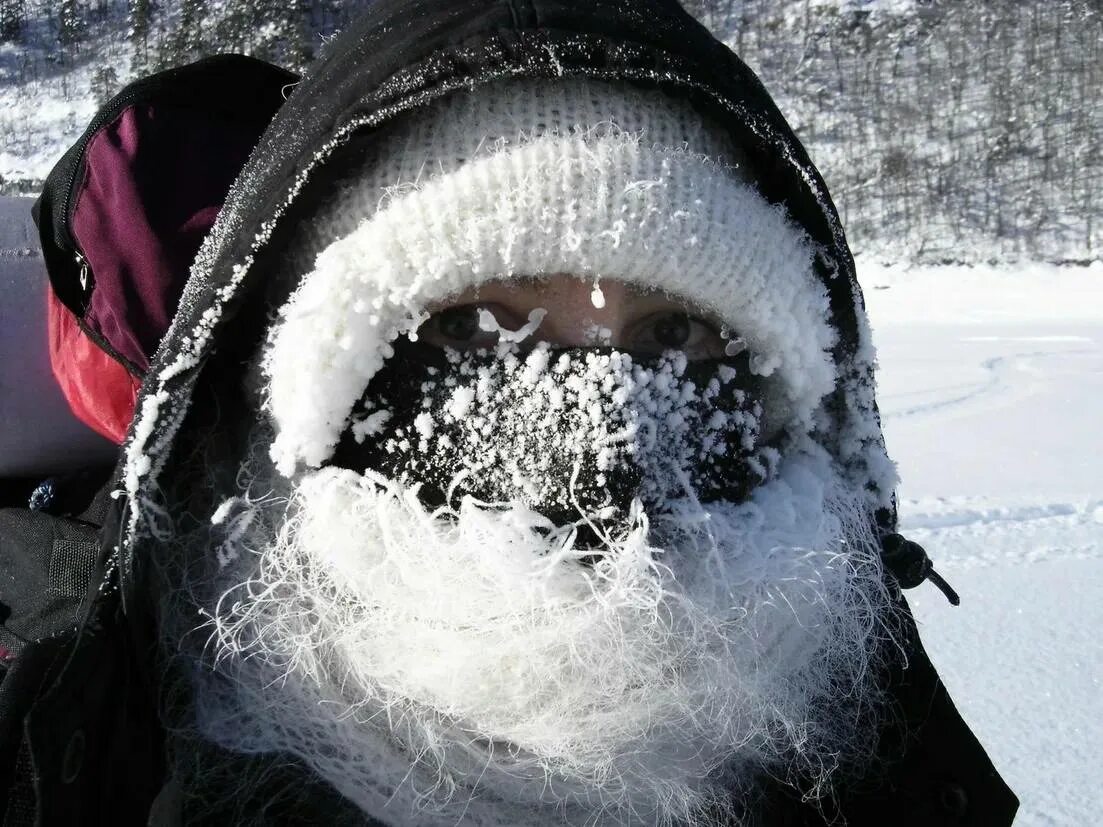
965	532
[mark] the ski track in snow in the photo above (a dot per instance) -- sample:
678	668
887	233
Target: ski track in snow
999	371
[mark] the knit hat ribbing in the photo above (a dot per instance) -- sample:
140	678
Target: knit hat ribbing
468	126
529	178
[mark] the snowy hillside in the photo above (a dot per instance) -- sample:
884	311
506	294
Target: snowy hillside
966	132
991	389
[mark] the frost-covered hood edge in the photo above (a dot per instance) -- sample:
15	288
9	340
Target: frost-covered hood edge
449	46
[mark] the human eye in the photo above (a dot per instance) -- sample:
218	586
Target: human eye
464	326
697	337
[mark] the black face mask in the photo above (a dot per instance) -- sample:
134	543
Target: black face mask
564	431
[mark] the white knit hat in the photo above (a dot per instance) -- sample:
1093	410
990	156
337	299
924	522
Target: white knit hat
530	178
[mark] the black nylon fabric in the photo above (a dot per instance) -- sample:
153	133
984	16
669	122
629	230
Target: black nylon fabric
78	744
79	740
47	560
20	809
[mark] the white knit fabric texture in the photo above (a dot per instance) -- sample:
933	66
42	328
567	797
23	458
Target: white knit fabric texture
531	178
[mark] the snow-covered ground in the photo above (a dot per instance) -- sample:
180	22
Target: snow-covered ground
991	389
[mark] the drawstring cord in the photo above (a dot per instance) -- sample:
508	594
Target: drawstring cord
910	565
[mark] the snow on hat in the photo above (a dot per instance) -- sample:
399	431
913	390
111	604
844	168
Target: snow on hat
531	178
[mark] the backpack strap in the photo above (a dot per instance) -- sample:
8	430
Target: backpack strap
80	742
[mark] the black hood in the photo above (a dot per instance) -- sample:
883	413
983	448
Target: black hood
400	56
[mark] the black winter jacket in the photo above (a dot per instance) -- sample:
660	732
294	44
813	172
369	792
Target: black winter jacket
79	735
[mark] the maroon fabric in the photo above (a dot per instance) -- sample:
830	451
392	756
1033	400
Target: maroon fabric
154	181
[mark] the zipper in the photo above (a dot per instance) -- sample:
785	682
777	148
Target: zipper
64	193
85	282
82	263
71	273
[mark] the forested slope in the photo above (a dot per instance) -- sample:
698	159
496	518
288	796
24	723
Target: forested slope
948	131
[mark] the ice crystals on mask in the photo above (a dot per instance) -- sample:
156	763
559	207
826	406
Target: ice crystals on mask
563	430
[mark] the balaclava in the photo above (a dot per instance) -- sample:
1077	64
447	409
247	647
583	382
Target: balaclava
532	179
528	584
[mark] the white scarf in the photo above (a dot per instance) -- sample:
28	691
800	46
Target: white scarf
468	665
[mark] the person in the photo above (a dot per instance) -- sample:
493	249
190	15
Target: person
514	458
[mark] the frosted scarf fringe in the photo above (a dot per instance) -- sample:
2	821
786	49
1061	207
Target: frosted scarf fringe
428	664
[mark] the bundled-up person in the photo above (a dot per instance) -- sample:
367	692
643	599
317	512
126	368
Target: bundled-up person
513	458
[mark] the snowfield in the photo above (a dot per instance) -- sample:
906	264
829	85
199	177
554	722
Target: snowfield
991	390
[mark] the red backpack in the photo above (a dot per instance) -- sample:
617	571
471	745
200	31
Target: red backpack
123	213
121	217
